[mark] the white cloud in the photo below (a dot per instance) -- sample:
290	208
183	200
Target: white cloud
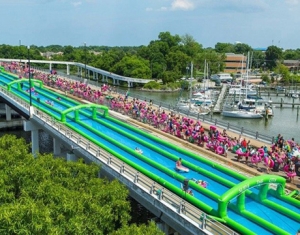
182	5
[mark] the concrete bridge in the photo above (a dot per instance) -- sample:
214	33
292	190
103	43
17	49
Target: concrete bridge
96	73
173	214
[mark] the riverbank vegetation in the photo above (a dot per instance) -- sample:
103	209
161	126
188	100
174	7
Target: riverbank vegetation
166	58
44	195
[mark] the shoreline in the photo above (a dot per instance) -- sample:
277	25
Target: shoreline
156	90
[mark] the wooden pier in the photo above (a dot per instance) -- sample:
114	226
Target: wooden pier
268	91
282	102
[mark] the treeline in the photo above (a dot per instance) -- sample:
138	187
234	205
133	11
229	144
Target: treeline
167	58
47	195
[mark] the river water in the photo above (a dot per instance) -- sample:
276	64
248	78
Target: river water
285	120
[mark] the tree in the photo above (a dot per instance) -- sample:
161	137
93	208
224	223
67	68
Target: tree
224	47
108	59
190	46
169	39
132	66
273	55
265	77
44	195
215	61
284	72
169	77
69	53
242	48
291	54
258	58
177	62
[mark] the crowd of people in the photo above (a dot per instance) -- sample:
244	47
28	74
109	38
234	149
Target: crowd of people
283	154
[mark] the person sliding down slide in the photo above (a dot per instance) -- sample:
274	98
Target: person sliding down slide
180	167
201	183
138	150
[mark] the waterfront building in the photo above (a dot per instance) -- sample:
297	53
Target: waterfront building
235	63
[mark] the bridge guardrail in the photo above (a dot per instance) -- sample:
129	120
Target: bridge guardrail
158	192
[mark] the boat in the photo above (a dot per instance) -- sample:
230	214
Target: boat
193	108
199	93
264	107
295	95
247	104
182	103
241	114
222	77
241	90
197	104
201	101
255	97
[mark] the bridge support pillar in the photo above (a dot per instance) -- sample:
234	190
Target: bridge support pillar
56	147
29	126
130	84
166	228
8	112
104	79
68	69
71	157
50	67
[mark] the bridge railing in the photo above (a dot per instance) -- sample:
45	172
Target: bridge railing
158	192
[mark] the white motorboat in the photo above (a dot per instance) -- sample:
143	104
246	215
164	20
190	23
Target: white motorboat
194	109
201	101
241	90
241	114
295	95
264	107
199	94
247	104
183	103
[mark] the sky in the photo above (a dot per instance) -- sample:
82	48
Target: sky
258	23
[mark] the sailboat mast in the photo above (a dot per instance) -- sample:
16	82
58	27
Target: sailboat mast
247	73
191	87
204	77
